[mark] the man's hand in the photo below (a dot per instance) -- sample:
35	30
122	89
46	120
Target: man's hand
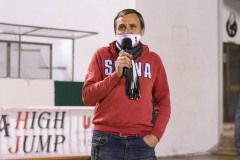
124	60
151	140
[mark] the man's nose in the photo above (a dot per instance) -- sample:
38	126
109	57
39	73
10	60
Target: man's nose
128	31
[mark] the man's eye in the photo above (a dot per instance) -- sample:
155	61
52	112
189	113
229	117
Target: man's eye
122	28
133	26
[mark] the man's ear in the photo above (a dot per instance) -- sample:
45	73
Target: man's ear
142	32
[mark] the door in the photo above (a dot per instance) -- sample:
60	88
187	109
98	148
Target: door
231	80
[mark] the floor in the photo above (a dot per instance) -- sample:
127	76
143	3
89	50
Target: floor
203	157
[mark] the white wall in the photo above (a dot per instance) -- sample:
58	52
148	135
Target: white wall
26	93
228	7
89	15
185	34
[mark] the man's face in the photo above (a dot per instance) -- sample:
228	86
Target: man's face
128	24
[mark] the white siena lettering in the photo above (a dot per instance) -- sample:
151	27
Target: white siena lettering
138	68
109	67
147	71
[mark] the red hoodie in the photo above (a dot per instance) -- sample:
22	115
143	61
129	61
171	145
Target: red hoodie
114	111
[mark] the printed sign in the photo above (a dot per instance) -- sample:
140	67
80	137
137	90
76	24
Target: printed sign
45	132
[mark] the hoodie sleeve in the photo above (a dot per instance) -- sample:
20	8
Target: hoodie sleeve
95	86
161	97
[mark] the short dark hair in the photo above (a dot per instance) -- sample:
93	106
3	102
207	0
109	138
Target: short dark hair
126	12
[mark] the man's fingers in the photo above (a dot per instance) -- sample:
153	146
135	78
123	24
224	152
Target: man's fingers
124	62
125	54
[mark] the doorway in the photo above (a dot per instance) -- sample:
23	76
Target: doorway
231	80
231	97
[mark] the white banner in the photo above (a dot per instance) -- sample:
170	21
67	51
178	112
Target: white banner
45	132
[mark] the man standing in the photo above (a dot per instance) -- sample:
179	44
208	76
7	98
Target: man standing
129	86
